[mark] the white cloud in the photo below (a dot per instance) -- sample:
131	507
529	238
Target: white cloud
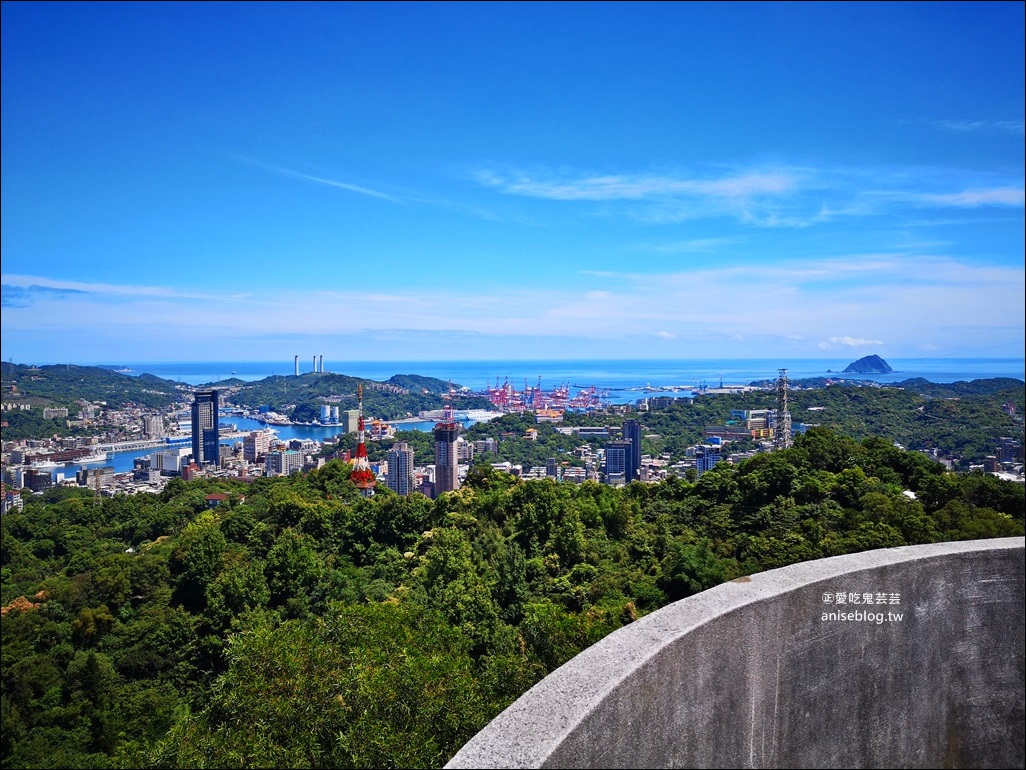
998	196
756	197
908	300
638	187
848	342
783	196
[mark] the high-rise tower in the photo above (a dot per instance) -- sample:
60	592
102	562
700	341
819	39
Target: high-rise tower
782	433
632	433
400	469
447	477
206	440
617	468
362	475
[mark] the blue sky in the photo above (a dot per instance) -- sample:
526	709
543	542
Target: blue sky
235	181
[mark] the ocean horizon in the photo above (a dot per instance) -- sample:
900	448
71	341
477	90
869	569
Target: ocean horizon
608	374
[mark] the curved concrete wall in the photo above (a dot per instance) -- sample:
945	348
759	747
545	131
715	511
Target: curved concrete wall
766	672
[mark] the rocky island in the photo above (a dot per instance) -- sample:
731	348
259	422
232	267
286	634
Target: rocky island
869	365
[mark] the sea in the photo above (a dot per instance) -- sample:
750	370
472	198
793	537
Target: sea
614	375
619	380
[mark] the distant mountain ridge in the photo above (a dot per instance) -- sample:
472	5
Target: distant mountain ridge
983	386
299	396
869	365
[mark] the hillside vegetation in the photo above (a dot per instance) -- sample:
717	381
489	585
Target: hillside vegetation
961	419
299	397
300	625
67	384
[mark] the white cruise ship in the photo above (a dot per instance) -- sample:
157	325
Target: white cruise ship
96	457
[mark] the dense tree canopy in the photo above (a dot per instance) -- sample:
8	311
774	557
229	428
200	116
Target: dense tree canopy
301	625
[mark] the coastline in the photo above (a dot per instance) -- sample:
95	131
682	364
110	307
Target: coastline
616	374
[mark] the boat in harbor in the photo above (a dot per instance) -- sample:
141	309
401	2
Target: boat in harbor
97	457
45	465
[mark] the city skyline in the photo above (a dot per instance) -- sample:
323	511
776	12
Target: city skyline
393	181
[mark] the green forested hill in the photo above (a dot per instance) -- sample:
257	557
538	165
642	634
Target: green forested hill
66	384
298	397
983	387
300	625
960	419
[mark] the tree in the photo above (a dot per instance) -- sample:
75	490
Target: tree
381	685
293	569
91	684
197	559
239	588
455	588
689	568
92	625
824	449
511	589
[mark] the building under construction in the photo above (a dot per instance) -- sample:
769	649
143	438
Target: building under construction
446	432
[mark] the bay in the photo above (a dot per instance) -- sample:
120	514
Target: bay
123	462
621	380
609	374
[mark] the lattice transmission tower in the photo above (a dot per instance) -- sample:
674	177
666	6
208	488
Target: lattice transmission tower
782	434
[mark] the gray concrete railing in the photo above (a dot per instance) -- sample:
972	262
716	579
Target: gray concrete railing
766	671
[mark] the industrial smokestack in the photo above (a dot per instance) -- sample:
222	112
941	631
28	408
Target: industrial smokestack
320	363
297	366
314	364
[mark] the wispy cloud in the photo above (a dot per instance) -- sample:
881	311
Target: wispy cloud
855	301
756	196
33	287
13	295
318	179
691	246
997	196
777	219
404	196
966	126
783	196
619	187
955	221
848	342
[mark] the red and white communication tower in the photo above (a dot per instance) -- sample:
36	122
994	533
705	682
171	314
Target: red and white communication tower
362	475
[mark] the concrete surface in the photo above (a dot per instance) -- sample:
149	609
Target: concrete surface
757	673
